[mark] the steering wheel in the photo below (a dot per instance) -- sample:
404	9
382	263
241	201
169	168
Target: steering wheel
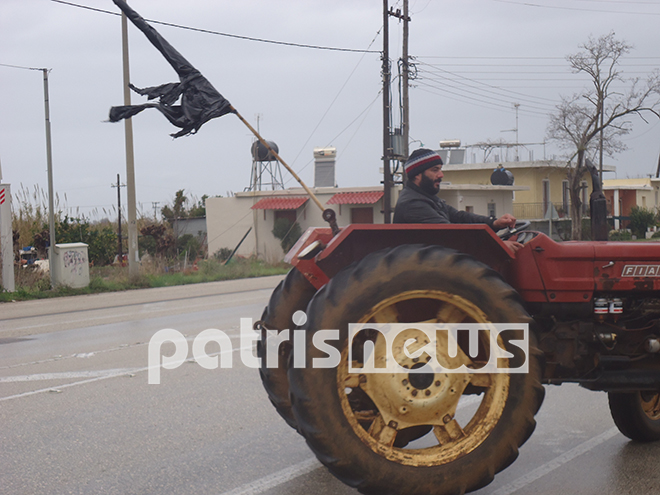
506	233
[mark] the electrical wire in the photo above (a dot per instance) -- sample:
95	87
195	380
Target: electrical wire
527	4
218	33
336	96
364	112
474	96
476	101
209	241
534	99
21	67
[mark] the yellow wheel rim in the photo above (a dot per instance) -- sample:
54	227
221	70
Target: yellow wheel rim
431	405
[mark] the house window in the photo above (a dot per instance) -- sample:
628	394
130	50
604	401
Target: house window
643	201
362	215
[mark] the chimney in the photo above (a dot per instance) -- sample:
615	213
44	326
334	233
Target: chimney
324	167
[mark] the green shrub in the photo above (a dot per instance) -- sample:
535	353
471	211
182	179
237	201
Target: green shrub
640	220
620	235
101	240
189	244
287	234
222	254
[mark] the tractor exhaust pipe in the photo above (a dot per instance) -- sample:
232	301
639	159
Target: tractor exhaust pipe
597	205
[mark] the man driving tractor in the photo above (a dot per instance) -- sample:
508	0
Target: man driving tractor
419	203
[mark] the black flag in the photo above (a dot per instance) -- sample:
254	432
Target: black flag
200	101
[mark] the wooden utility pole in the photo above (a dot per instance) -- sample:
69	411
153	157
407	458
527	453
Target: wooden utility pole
404	72
119	246
387	151
405	125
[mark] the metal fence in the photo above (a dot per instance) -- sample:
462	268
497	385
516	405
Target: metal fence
537	211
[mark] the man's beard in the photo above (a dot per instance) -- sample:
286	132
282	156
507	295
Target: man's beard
428	186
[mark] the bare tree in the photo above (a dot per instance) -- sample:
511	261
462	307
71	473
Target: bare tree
594	120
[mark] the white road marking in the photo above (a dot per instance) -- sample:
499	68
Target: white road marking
109	374
140	313
66	375
304	467
555	463
60	387
277	478
59	358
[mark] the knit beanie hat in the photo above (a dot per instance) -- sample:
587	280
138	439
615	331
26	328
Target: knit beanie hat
420	160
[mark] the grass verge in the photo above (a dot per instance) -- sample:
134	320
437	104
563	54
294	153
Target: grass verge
31	284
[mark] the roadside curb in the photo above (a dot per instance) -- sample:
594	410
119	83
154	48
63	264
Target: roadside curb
40	307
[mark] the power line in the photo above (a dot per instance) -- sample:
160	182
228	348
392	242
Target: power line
364	113
476	101
490	57
337	96
517	94
527	4
21	67
621	1
218	33
493	96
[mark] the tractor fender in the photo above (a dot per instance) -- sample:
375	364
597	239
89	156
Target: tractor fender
355	241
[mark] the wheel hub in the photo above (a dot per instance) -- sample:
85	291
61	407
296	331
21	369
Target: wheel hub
409	399
406	400
651	404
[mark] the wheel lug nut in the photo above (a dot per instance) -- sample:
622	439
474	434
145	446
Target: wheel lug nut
437	383
393	424
414	393
446	419
404	382
427	392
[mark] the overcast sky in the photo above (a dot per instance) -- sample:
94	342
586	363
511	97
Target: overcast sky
475	59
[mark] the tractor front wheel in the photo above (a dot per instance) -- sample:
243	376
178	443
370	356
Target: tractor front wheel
291	295
471	424
637	414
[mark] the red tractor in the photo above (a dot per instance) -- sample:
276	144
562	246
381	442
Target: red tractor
593	310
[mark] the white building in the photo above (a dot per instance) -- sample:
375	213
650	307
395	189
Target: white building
254	213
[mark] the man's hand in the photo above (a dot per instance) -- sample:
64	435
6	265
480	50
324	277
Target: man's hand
513	245
504	221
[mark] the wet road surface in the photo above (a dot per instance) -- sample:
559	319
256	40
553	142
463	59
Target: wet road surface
78	415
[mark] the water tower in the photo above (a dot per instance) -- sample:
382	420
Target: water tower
266	173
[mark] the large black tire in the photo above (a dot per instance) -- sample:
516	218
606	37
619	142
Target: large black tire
291	295
344	424
636	414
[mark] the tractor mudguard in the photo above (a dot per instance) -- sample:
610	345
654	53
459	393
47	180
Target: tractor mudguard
355	241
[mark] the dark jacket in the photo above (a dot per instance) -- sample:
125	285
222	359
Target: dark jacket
416	206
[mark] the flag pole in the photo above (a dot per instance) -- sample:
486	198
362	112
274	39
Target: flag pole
327	213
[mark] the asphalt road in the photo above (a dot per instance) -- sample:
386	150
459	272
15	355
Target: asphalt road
79	417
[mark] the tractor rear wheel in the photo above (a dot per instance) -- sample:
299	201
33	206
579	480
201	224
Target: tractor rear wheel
291	295
476	421
636	414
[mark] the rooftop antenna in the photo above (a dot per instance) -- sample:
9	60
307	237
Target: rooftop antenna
516	106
